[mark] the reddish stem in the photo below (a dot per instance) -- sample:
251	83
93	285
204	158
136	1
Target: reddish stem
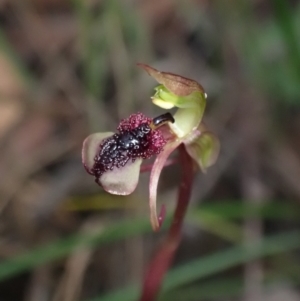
164	257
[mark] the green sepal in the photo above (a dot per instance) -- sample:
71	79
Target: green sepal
204	150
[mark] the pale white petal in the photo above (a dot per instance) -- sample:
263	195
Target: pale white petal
91	147
122	181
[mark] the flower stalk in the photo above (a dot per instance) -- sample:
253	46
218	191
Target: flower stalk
164	257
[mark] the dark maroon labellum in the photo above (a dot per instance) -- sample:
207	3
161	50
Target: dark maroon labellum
137	137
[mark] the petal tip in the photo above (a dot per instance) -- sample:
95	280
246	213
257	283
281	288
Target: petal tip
177	84
123	180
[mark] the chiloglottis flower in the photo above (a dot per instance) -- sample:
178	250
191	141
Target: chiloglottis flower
115	158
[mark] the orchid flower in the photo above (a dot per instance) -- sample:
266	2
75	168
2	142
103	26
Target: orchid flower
115	159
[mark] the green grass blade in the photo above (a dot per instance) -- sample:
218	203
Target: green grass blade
215	263
225	287
126	229
284	14
223	260
235	209
61	248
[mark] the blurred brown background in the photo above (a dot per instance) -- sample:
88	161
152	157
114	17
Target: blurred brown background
68	68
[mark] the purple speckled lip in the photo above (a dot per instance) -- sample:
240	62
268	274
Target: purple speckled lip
137	137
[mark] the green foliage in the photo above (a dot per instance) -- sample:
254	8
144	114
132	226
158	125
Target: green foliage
63	247
271	52
213	218
214	263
